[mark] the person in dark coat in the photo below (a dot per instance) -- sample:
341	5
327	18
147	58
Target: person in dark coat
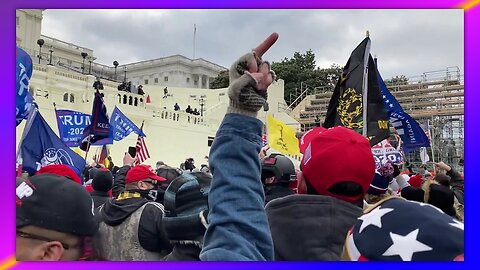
131	226
278	172
101	184
186	210
337	169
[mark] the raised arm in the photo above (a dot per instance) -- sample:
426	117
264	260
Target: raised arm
238	227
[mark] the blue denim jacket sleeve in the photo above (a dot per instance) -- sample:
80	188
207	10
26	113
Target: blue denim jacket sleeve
238	227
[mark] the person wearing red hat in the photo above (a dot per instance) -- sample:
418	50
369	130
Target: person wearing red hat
131	224
62	170
336	171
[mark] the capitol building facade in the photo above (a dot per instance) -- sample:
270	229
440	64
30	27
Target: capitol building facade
64	73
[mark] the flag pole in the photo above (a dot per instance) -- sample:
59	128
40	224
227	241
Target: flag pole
26	129
194	36
365	86
432	146
88	147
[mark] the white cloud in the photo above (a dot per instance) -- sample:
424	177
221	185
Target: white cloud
407	42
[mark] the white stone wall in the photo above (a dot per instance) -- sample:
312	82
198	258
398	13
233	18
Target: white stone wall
28	28
171	136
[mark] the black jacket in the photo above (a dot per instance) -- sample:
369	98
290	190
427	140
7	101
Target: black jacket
276	191
151	234
457	185
99	198
310	227
119	180
184	253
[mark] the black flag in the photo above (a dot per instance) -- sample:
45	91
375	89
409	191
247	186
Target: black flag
100	127
346	105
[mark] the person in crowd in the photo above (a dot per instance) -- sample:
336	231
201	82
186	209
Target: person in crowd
176	107
195	112
189	164
278	172
158	164
458	205
140	90
165	92
98	85
378	189
336	171
54	219
119	176
440	196
122	86
237	223
185	219
167	172
102	183
399	230
131	227
62	170
205	169
455	182
189	109
410	187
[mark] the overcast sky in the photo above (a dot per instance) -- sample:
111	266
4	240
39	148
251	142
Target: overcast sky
407	42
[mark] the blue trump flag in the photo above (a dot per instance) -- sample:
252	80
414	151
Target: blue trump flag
71	125
122	126
41	147
410	132
24	99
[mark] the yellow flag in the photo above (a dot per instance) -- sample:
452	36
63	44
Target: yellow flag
79	151
282	137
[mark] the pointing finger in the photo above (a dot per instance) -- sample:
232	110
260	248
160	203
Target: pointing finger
266	44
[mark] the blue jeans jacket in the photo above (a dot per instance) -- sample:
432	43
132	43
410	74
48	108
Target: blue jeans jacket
238	226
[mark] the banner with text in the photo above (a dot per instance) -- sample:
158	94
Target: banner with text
122	126
71	125
384	152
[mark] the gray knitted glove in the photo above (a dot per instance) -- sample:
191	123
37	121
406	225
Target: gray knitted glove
245	90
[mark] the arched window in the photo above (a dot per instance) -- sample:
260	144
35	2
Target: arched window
135	102
72	98
130	100
119	98
124	99
65	97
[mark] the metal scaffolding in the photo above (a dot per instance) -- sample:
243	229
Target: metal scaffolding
435	99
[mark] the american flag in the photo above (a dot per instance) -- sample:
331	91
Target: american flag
142	150
401	230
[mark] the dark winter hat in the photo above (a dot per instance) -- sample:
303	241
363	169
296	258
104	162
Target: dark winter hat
55	203
103	180
441	197
186	208
168	172
413	194
405	231
379	184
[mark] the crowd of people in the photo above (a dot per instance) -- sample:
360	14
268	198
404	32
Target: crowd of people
131	88
245	205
